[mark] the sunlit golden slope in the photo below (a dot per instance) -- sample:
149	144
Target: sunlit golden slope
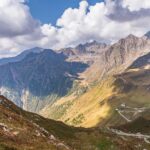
98	105
87	110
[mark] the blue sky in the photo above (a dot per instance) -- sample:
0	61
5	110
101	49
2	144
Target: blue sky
48	11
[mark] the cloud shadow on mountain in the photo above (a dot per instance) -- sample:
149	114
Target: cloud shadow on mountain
42	74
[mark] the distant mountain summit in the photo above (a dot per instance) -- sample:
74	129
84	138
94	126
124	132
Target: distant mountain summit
20	56
92	47
88	48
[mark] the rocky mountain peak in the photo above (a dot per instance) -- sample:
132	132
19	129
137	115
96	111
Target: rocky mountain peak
132	42
131	36
81	48
90	44
130	39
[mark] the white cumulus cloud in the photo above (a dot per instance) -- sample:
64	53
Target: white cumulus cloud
105	21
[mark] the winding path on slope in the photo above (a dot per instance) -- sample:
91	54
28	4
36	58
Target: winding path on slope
135	112
128	109
146	138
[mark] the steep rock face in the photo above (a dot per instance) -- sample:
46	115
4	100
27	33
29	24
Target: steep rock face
39	76
126	50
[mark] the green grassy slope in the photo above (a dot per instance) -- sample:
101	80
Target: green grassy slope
24	130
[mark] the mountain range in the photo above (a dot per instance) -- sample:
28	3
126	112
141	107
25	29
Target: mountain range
93	85
45	76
